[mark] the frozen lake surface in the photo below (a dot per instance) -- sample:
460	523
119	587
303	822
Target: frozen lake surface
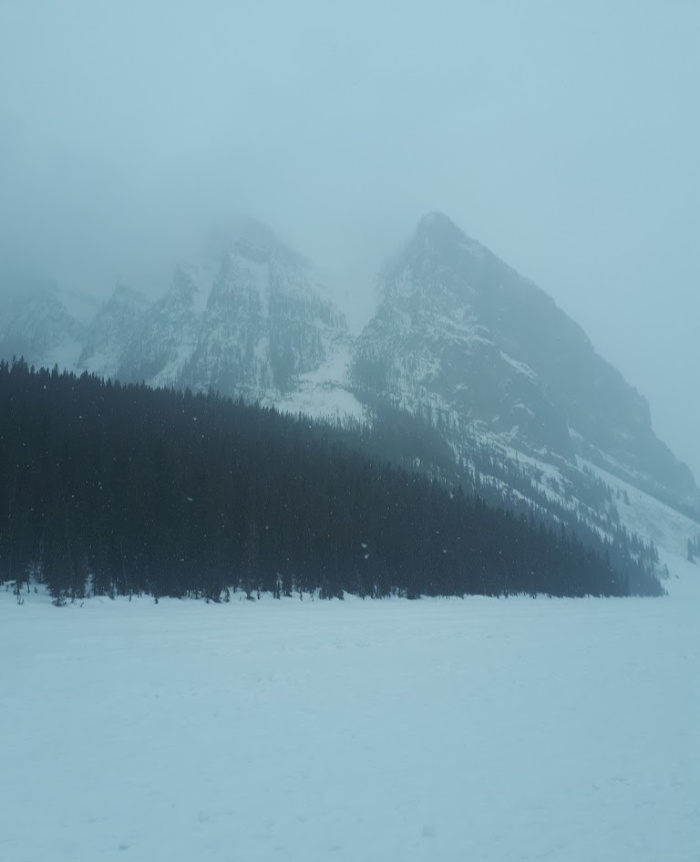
475	729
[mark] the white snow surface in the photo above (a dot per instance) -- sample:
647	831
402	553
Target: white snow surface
520	367
650	518
324	393
475	729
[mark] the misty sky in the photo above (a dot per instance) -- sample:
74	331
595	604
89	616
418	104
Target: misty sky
563	135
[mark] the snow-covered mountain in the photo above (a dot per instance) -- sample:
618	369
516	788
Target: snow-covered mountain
107	341
266	321
165	336
459	338
249	318
493	357
41	323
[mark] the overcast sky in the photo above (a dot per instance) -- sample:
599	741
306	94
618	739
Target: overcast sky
564	135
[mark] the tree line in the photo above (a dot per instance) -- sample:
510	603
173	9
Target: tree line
122	489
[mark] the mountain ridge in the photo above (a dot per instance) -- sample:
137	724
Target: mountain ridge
458	337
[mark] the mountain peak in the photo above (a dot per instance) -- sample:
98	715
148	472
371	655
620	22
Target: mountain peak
251	239
437	225
461	330
439	237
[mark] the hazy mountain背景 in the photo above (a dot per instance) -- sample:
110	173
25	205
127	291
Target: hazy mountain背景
461	333
511	386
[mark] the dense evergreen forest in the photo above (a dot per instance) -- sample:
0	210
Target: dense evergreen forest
115	489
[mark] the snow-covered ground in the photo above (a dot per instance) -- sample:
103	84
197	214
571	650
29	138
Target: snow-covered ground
434	730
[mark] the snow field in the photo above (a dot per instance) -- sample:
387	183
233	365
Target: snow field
454	729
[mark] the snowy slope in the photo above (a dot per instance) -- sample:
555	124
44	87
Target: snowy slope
556	730
325	392
646	516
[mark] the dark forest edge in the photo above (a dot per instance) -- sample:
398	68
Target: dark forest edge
122	490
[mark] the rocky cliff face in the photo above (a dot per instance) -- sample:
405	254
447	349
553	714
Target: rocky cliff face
248	319
163	339
109	336
459	330
266	322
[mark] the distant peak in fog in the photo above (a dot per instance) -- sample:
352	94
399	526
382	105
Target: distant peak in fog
125	294
251	237
439	231
437	224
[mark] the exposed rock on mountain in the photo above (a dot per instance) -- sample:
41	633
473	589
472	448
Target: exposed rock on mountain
164	337
110	334
461	332
459	338
266	321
